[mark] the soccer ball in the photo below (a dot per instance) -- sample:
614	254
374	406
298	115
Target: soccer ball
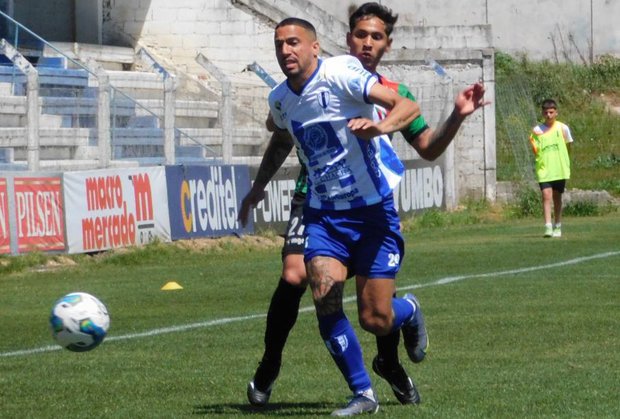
79	322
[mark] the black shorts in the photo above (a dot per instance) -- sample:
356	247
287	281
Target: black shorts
556	185
294	240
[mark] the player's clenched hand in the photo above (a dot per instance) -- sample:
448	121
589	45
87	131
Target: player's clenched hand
253	197
364	128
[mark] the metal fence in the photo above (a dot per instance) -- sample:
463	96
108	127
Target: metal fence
66	107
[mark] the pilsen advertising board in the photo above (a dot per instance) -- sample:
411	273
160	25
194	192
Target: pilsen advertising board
5	232
39	215
31	214
204	201
421	188
113	208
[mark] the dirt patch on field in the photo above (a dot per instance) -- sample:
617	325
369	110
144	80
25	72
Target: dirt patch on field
59	261
220	244
230	242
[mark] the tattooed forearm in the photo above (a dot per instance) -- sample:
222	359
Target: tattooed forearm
277	151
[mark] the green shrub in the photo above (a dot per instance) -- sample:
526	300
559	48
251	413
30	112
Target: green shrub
430	218
9	264
528	203
608	161
581	209
610	185
471	211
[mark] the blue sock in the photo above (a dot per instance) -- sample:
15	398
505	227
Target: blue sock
345	349
403	311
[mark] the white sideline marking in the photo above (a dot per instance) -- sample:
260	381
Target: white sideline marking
575	261
442	281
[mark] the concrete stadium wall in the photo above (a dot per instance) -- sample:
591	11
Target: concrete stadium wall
562	30
470	160
236	33
179	30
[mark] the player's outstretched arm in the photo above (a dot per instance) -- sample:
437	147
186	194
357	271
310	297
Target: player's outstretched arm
280	145
402	112
430	144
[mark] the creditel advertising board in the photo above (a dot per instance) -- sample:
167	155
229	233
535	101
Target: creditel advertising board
107	209
204	200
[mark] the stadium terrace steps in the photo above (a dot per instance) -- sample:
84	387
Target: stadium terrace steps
55	143
69	111
16	136
204	112
110	57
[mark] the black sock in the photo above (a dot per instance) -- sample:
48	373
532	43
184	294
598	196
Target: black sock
387	348
281	318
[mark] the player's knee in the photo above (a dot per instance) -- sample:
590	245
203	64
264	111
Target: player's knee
294	270
295	275
375	323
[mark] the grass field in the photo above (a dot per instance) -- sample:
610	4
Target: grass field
520	326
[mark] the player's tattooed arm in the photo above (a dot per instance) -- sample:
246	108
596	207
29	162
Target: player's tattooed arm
280	146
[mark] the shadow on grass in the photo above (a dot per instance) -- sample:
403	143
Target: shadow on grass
274	409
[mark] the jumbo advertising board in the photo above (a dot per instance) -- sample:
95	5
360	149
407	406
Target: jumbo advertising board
422	187
114	208
204	201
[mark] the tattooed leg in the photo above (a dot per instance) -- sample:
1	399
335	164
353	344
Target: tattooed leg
327	277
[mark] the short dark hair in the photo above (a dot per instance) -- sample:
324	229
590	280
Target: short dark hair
295	21
549	104
374	9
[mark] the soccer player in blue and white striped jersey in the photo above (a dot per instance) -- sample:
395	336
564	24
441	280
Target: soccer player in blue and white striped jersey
371	25
327	106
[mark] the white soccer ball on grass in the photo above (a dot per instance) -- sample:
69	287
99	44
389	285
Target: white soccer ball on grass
79	322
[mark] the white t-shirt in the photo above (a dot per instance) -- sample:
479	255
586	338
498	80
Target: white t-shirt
343	171
542	128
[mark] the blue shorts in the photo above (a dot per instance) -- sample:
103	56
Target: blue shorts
367	240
